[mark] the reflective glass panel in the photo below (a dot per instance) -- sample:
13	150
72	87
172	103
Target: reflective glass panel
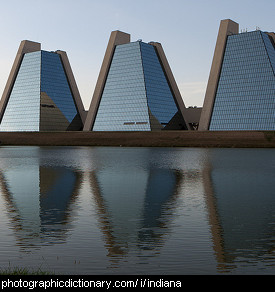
161	102
245	98
23	107
58	109
123	105
136	96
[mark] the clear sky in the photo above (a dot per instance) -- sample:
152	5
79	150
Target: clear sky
186	29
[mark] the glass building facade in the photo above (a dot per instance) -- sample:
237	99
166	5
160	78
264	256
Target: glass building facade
41	98
245	97
136	95
23	109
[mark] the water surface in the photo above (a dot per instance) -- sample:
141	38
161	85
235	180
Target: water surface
115	210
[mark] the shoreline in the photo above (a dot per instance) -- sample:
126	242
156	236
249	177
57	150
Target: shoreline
218	139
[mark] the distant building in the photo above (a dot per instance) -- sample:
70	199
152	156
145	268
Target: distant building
41	93
136	90
240	94
192	115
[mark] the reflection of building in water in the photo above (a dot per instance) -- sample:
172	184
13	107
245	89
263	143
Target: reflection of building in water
39	202
58	191
130	205
240	199
161	191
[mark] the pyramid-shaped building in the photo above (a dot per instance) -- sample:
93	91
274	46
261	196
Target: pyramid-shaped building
41	93
240	94
136	90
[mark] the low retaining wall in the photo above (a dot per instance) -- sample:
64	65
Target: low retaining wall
259	139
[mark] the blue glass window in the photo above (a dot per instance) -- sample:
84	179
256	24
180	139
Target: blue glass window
160	98
58	109
23	108
136	96
41	99
123	105
245	97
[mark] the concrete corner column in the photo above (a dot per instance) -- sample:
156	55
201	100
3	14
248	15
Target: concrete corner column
116	38
171	80
72	83
272	36
227	27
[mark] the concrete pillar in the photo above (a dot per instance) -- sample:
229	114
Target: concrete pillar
73	85
227	27
171	80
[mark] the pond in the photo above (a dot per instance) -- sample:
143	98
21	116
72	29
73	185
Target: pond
116	210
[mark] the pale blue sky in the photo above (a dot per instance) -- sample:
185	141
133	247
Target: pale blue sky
187	31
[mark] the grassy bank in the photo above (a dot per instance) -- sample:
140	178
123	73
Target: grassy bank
23	271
